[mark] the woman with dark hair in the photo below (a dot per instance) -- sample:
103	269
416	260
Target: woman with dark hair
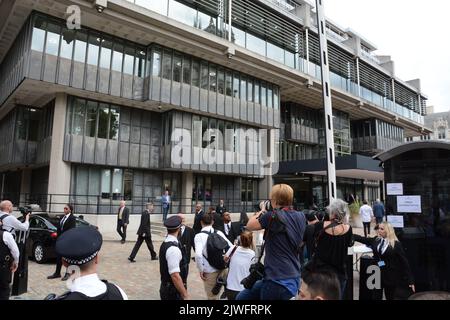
243	220
66	223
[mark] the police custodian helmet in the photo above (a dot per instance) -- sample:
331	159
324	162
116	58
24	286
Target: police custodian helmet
79	245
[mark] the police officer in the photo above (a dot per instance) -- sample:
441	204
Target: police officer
173	263
79	249
9	261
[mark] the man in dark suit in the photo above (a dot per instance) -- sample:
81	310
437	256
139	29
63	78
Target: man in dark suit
144	234
231	229
66	223
221	209
198	217
186	238
123	216
218	220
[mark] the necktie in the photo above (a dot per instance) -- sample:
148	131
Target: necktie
381	246
228	228
63	221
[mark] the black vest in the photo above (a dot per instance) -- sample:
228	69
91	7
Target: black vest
5	253
163	267
112	293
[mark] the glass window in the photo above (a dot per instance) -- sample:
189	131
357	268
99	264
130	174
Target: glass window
78	117
106	184
67	44
117	57
114	123
212	78
93	49
177	68
94	182
128	65
229	84
204	75
91	118
156	68
117	184
221	81
269	96
206	23
276	98
103	118
82	177
182	13
37	43
33	124
80	47
236	85
275	52
256	44
186	70
105	54
289	59
250	90
52	44
128	184
208	189
238	36
263	95
204	130
195	73
167	65
257	93
243	88
139	63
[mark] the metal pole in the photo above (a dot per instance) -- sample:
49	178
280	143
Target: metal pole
229	20
327	106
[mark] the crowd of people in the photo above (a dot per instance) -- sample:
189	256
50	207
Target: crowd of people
303	254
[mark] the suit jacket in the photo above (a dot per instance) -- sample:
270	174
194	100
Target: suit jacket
187	241
125	215
218	222
197	225
70	223
235	231
396	272
144	227
221	210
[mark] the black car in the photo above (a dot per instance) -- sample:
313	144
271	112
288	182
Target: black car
42	238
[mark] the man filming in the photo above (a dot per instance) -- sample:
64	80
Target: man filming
11	223
284	229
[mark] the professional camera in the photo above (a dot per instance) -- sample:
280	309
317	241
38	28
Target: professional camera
256	273
25	210
266	205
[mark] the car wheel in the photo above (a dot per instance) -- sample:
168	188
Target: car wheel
39	253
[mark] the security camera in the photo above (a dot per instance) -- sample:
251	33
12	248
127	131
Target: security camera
100	5
99	8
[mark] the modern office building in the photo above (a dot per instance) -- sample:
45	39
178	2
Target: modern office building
87	111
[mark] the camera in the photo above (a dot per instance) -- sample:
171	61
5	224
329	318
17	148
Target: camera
25	210
264	205
256	273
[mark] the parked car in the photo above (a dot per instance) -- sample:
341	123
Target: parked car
42	239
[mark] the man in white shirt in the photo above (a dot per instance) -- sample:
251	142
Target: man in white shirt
11	223
9	261
366	214
208	273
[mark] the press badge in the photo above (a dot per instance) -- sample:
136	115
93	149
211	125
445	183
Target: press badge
381	264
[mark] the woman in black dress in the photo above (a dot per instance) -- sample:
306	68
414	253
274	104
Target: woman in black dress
396	276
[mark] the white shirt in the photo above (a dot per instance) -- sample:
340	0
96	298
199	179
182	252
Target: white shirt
64	219
11	223
382	247
239	267
227	227
200	250
173	256
366	213
92	286
8	239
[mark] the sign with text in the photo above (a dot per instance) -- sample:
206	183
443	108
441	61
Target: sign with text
396	221
409	204
394	189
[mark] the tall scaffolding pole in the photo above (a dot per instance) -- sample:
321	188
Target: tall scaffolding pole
327	106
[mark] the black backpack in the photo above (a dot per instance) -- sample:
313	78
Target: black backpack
216	247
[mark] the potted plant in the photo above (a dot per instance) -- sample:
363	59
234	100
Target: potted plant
355	219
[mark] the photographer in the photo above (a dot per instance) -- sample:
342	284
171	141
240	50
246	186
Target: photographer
11	223
284	229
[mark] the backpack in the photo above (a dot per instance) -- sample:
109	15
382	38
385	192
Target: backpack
216	247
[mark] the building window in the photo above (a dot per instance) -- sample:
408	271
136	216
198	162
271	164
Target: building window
442	133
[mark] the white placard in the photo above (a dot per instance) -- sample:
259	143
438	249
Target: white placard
394	189
409	204
396	221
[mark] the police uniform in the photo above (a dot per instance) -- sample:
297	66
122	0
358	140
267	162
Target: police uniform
172	259
77	247
9	254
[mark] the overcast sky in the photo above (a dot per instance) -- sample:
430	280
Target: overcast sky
415	33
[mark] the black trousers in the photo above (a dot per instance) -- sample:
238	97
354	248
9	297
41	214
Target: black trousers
169	292
5	280
366	226
148	241
122	230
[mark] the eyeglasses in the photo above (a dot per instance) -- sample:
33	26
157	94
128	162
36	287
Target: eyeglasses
65	208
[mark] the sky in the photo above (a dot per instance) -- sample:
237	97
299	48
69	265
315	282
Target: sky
415	33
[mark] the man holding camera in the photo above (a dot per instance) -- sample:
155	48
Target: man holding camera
284	229
11	223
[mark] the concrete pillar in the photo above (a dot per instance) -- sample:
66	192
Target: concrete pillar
186	192
366	192
25	186
265	187
59	173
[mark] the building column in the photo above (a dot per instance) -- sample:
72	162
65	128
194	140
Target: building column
186	192
25	186
265	187
366	192
59	172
